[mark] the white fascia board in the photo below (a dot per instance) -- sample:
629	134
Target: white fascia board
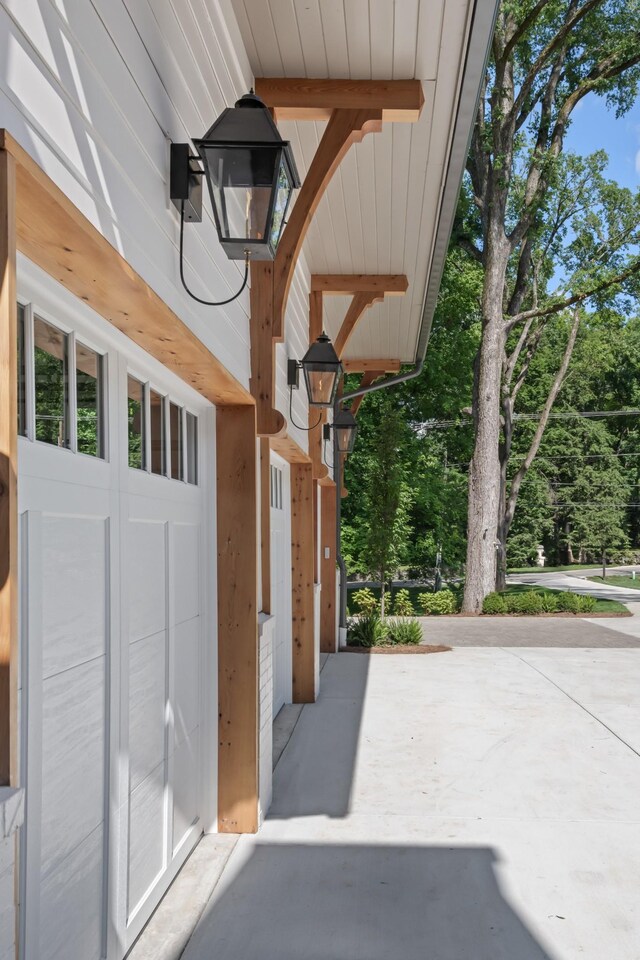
482	25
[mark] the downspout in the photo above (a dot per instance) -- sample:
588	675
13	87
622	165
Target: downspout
481	28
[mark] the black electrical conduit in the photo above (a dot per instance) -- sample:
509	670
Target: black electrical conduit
478	47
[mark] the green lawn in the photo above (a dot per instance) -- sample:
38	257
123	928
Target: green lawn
618	581
602	606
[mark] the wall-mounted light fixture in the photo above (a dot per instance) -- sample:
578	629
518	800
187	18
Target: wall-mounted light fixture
251	175
322	371
345	430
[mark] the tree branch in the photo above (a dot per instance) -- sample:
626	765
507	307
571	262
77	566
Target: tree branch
576	298
574	16
522	470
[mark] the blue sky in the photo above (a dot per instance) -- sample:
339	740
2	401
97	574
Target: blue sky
594	128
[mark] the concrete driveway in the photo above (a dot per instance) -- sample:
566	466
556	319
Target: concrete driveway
480	804
577	582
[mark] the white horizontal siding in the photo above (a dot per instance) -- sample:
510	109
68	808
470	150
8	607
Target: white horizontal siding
95	90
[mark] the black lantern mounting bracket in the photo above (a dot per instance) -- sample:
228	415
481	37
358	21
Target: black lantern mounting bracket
185	190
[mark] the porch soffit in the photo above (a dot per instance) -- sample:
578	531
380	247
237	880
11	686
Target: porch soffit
380	212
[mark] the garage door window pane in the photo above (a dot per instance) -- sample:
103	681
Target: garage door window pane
22	409
51	352
175	429
157	433
135	414
89	401
192	448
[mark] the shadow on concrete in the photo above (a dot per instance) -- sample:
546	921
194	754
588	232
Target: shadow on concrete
335	902
315	774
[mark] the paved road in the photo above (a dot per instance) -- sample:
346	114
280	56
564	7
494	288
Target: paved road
577	582
480	804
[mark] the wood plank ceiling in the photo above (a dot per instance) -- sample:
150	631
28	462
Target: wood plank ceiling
379	214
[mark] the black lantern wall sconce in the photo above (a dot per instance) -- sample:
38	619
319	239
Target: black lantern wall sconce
251	175
322	369
345	430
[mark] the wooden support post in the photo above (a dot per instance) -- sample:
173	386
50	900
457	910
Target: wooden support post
270	421
328	632
302	605
238	784
265	523
320	470
8	477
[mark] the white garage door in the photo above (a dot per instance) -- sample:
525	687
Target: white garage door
114	571
281	581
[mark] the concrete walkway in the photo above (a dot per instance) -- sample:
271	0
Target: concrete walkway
480	804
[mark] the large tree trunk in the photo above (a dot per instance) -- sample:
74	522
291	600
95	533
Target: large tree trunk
484	470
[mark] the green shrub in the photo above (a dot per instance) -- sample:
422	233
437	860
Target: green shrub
366	630
402	606
366	601
586	604
568	602
527	602
494	603
403	630
438	604
549	602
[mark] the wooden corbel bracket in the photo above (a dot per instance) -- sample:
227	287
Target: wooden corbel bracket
353	109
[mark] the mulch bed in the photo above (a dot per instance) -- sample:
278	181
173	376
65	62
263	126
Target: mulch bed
401	648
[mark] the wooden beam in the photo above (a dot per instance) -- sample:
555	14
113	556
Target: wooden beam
307	99
328	632
271	422
289	450
53	233
238	783
8	477
302	594
341	284
316	419
360	303
365	365
265	524
345	127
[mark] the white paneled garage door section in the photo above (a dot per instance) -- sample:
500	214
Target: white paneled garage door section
281	581
112	478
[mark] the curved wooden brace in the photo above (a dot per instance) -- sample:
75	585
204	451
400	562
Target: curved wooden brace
343	129
360	303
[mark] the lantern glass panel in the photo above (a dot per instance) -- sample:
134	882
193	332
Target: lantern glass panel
241	180
322	384
283	195
346	438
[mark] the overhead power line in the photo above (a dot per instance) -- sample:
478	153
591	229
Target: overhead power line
425	425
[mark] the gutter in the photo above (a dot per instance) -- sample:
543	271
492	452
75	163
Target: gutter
481	30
